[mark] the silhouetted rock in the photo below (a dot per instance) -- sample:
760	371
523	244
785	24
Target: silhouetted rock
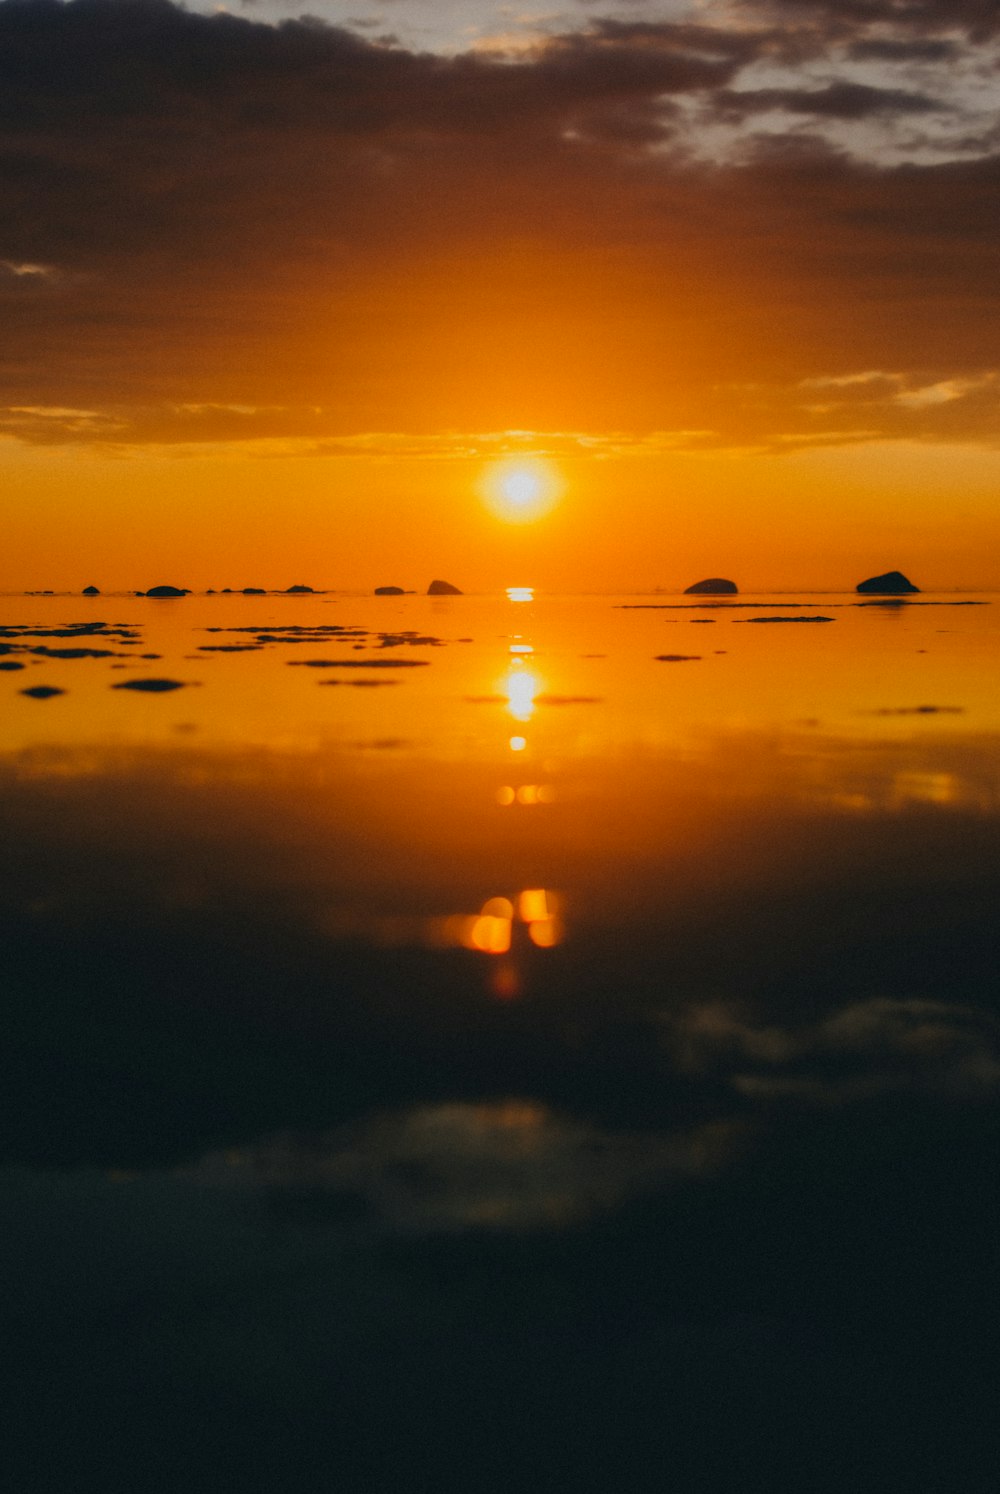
91	591
443	589
293	589
816	619
713	586
676	658
891	582
254	591
165	591
394	591
42	692
151	687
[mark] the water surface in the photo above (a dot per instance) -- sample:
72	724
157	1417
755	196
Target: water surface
481	1044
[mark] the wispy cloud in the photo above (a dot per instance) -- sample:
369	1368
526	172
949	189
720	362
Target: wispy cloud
25	269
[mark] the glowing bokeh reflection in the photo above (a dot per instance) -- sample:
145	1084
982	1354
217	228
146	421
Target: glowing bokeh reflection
491	931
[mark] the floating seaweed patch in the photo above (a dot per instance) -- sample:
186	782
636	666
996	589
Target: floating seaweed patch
715	606
908	602
919	710
121	633
358	663
76	653
311	637
414	640
283	629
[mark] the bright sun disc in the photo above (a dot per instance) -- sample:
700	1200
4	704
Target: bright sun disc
520	490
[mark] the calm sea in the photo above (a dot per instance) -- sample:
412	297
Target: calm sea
501	1044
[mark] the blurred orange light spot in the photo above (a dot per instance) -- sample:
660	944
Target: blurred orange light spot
533	903
490	934
505	983
456	929
527	794
497	907
545	932
505	795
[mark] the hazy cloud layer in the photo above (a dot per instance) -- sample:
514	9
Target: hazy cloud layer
866	1048
216	229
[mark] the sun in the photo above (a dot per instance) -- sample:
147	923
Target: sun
520	490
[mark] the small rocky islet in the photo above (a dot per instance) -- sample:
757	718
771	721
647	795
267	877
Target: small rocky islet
890	583
712	586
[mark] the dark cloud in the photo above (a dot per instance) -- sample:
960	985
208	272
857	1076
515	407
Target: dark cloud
840	100
885	49
217	229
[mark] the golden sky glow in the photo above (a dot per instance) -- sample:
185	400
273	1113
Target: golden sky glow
660	284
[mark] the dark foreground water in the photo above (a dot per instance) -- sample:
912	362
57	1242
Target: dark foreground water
473	1045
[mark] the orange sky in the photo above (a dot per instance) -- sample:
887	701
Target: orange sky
273	296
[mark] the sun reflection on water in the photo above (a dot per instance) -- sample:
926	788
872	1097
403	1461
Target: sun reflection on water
493	930
526	793
520	687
